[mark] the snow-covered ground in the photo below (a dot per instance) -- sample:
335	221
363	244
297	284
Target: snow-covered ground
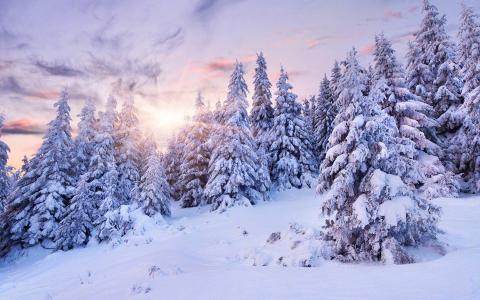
202	255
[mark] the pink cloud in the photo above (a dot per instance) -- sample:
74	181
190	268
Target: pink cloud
393	14
367	49
23	126
219	66
312	43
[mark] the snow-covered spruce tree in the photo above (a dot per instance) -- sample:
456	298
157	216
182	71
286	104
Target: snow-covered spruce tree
194	168
127	153
233	178
314	115
77	227
4	180
217	112
465	146
41	195
102	174
309	117
173	160
261	119
290	150
372	213
432	73
370	74
155	195
325	114
94	193
83	144
405	107
261	116
335	76
412	120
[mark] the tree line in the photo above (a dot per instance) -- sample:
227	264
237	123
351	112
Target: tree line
382	140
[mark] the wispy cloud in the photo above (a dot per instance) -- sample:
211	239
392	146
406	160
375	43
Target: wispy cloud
220	66
23	127
171	39
321	40
57	68
204	10
10	84
392	14
10	40
103	38
367	49
124	68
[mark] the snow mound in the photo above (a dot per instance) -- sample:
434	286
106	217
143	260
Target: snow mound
296	247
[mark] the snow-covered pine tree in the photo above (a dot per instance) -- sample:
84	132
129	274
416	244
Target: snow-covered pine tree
261	116
325	114
408	111
217	112
127	153
314	115
335	77
86	134
370	74
468	36
432	73
173	160
261	119
77	227
155	195
194	168
102	174
233	170
4	179
412	120
465	146
290	150
41	195
308	116
372	214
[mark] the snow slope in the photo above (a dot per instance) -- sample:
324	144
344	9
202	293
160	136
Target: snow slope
201	255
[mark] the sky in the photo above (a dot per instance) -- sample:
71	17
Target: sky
162	52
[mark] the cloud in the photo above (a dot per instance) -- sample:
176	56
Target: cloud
322	40
23	127
174	36
5	64
6	36
206	9
392	14
57	68
103	39
10	40
10	84
367	49
220	65
413	9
